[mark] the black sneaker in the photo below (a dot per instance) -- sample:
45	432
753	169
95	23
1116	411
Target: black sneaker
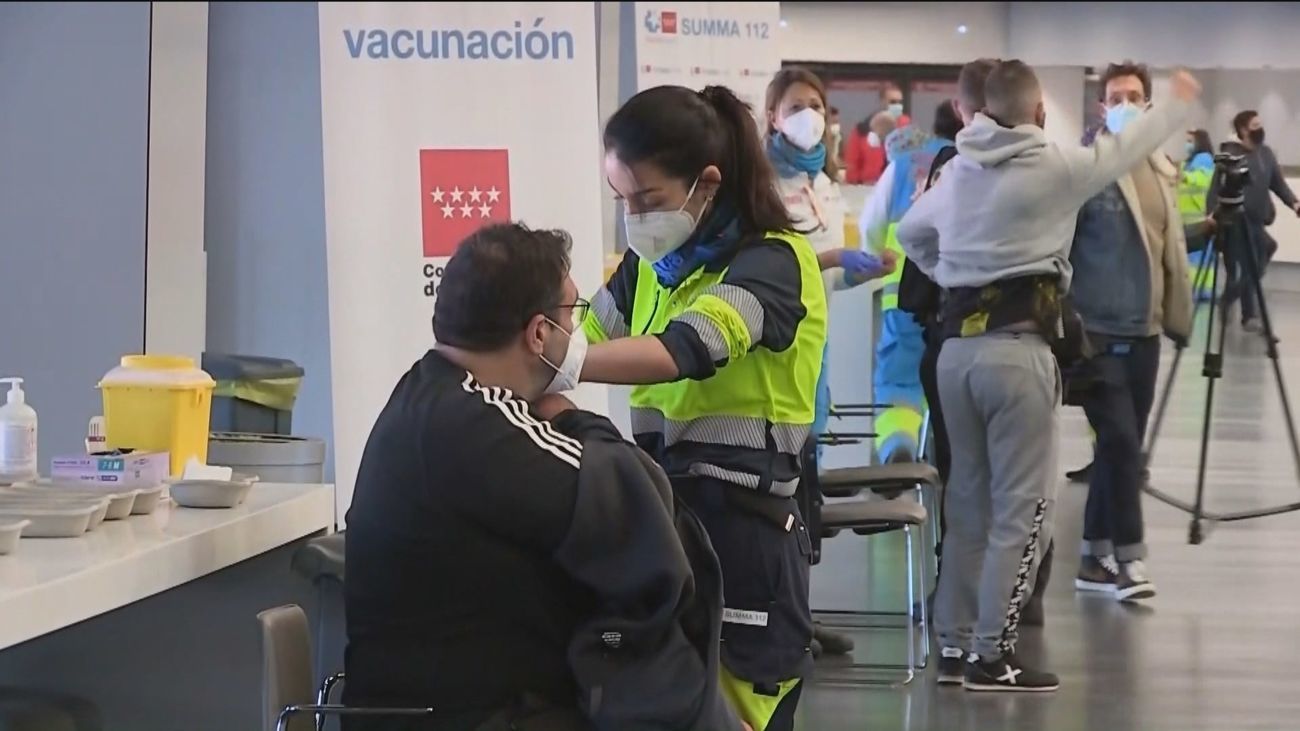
1132	583
1097	574
1007	674
952	666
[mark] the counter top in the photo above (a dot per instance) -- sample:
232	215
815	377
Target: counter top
51	583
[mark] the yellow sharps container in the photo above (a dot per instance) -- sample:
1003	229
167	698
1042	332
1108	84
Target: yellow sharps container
158	403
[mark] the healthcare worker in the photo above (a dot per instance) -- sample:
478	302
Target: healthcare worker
1193	187
717	316
901	344
806	176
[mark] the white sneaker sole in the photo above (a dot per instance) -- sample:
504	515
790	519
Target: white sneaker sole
1136	592
1094	586
950	680
1000	688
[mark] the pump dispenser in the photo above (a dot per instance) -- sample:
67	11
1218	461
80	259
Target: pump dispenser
17	435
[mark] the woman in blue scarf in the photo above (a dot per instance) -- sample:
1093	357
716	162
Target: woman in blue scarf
808	182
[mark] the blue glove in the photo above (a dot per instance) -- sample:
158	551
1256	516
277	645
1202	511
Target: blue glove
858	264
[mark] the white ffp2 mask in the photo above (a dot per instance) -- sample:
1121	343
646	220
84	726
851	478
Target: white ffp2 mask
569	372
656	234
804	128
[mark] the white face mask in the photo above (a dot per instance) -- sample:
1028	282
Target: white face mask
569	372
873	139
835	129
656	234
804	128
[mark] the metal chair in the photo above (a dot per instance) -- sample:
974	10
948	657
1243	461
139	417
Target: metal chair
870	518
321	561
287	688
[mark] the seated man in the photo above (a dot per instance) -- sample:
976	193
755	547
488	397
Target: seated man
512	562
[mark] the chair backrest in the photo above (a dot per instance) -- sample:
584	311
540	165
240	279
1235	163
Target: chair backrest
286	664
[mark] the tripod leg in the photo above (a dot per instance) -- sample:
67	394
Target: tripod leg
1213	369
1209	264
1252	271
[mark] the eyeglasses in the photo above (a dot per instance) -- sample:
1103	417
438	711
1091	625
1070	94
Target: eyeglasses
580	308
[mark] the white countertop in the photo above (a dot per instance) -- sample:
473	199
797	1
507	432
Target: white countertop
51	583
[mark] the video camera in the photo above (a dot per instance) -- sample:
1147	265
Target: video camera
1233	174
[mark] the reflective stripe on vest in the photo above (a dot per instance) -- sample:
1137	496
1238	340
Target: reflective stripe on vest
898	426
889	292
731	431
777	390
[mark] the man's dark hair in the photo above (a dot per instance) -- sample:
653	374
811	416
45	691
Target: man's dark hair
835	110
1242	119
947	123
970	82
498	279
1127	68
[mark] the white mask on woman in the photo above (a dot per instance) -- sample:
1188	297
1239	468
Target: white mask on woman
804	128
656	234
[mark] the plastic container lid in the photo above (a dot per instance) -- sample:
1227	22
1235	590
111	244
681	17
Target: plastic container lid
158	371
264	450
228	367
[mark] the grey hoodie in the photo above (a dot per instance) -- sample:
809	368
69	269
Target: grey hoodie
1006	206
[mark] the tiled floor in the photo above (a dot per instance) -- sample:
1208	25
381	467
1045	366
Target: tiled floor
1216	650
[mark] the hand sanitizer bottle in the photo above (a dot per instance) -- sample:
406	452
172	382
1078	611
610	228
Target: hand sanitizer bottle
17	436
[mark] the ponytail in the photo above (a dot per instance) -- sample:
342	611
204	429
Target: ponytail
683	131
754	181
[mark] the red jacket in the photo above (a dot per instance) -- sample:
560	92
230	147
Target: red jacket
863	162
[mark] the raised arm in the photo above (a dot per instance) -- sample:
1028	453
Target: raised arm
1093	168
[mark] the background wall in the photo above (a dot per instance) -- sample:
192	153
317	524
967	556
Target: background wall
74	95
1238	35
265	223
884	32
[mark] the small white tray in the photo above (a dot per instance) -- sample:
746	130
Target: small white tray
50	522
147	500
98	505
211	493
121	501
9	534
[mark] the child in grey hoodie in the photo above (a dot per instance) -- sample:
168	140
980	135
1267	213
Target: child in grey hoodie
1005	209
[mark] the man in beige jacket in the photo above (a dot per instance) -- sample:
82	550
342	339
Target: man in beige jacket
1130	286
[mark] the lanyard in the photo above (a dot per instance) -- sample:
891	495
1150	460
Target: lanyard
816	207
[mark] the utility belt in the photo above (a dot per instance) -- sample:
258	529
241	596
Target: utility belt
1036	300
779	511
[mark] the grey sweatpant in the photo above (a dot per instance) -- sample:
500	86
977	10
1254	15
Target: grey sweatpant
1000	394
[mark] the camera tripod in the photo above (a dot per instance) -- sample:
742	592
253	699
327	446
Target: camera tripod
1234	242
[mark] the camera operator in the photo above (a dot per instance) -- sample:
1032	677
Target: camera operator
1130	284
1265	176
996	232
